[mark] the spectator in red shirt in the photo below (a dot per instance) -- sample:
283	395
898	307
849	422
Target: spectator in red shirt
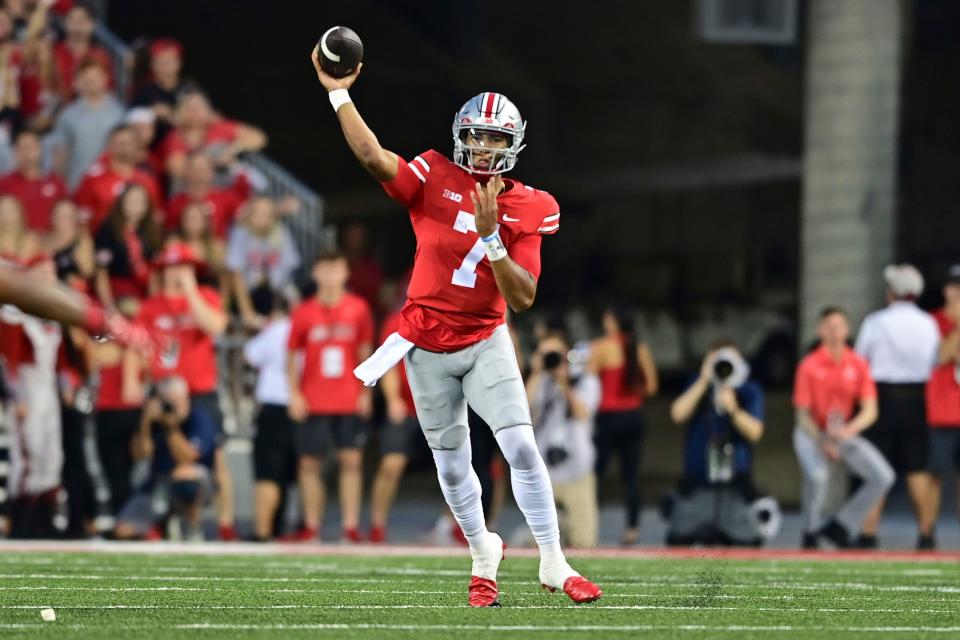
222	204
36	192
366	276
106	179
77	46
199	128
334	330
943	394
17	242
186	317
117	414
125	245
836	400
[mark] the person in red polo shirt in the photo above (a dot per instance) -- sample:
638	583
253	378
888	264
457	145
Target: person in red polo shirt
185	319
37	193
108	177
943	394
836	400
334	331
396	438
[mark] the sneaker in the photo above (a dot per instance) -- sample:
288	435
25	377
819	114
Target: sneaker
562	576
227	533
377	535
809	541
926	543
351	535
865	541
482	591
306	534
836	533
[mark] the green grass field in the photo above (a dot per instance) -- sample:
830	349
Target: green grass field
115	595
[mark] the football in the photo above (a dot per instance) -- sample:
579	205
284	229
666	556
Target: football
340	51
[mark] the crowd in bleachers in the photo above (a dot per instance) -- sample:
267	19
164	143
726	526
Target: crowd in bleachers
144	203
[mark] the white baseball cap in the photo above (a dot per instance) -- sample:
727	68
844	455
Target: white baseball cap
903	280
140	115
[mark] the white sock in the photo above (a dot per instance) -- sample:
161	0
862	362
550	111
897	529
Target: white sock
461	488
531	488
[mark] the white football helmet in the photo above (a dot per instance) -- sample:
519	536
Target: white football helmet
488	112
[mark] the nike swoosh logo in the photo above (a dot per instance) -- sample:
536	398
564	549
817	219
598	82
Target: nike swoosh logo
507	218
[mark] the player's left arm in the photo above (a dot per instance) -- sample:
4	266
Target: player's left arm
518	286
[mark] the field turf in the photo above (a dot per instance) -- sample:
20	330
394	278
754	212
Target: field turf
273	593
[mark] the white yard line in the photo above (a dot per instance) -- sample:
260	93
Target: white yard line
561	605
494	628
804	586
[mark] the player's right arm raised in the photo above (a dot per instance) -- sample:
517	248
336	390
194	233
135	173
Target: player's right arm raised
379	162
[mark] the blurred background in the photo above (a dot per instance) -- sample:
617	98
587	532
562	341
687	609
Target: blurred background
725	169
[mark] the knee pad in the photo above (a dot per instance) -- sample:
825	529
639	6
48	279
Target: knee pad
519	447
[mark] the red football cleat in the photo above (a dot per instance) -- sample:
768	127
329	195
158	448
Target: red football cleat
306	534
154	534
579	589
483	592
377	535
227	533
351	535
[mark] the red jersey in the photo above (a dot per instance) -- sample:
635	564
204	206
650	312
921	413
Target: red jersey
188	351
100	188
390	325
453	300
943	388
67	64
824	386
330	338
221	132
37	195
221	206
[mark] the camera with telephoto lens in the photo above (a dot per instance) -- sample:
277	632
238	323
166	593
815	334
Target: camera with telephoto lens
166	407
552	360
722	369
556	455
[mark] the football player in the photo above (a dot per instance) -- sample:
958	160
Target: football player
478	249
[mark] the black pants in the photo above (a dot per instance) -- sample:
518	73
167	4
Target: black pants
75	476
620	433
115	431
483	446
901	432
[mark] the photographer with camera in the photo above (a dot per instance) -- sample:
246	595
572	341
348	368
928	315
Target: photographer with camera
723	412
563	401
179	441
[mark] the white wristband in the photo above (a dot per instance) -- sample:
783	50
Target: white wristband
338	98
494	247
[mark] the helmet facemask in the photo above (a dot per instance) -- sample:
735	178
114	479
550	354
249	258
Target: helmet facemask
487	113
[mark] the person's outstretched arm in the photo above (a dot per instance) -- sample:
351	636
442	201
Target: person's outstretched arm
379	162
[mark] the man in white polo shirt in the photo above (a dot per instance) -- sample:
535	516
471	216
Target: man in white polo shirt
900	343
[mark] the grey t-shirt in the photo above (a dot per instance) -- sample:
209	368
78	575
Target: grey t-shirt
82	129
273	257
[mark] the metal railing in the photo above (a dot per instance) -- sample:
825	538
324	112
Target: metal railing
308	230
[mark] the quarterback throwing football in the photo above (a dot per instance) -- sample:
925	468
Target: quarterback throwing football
478	249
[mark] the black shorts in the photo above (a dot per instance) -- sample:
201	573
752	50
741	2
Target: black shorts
318	432
274	446
944	450
901	433
398	438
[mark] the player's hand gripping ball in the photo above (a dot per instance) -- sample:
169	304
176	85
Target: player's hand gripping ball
340	51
